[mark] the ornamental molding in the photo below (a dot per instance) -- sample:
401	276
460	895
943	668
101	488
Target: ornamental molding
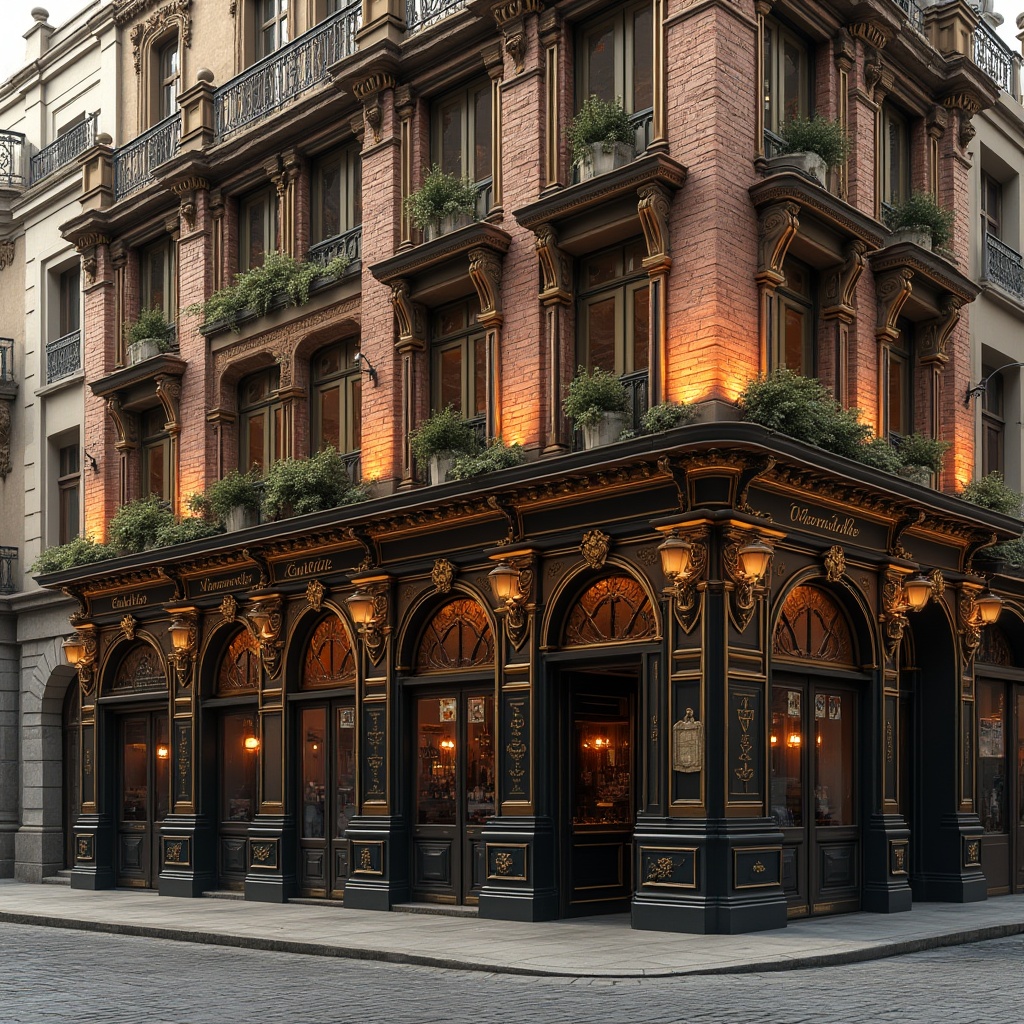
835	564
6	253
176	13
442	576
594	548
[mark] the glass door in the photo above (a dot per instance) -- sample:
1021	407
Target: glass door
453	789
814	795
239	754
144	795
1018	795
327	797
993	796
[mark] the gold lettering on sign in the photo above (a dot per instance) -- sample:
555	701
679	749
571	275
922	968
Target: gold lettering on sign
130	601
314	565
845	526
241	581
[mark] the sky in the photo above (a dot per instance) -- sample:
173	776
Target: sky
17	14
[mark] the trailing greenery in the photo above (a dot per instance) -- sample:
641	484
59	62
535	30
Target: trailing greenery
598	120
80	551
590	395
295	487
816	135
188	529
880	454
922	451
257	289
445	434
992	491
1010	553
497	455
923	212
137	524
235	490
441	195
666	416
151	324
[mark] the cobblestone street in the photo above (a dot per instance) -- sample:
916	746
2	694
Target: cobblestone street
51	975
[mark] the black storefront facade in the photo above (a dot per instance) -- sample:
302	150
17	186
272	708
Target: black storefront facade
713	678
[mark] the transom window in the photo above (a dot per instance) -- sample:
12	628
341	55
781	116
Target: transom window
613	310
613	609
813	626
239	669
272	30
337	398
257	229
459	357
793	339
616	57
787	76
329	659
157	472
895	157
457	637
261	420
461	135
168	79
337	194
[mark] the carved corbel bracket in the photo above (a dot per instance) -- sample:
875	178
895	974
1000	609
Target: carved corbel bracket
517	622
485	273
874	33
168	390
411	317
979	541
555	266
510	16
265	620
87	244
968	624
506	505
184	631
894	544
841	283
261	564
894	609
371	549
892	289
777	227
676	470
186	190
367	91
124	424
936	332
743	595
653	208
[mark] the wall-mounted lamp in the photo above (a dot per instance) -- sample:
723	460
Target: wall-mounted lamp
512	587
92	460
982	386
504	580
754	559
366	366
360	607
184	630
987	608
917	592
74	650
368	605
676	557
251	744
163	751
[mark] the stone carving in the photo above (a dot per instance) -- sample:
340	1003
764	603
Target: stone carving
688	744
176	12
6	253
443	575
835	564
595	548
315	595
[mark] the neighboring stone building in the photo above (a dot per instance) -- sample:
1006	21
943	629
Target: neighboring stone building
593	681
49	111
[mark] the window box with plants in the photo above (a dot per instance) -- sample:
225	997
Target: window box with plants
236	499
442	439
443	203
597	403
296	487
812	146
921	457
600	137
922	221
148	335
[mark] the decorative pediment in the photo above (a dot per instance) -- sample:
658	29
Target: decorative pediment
175	14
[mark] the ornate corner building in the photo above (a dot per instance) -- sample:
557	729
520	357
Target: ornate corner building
710	676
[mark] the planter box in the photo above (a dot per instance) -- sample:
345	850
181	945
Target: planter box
919	236
605	431
810	165
241	518
145	348
444	226
604	158
440	467
917	474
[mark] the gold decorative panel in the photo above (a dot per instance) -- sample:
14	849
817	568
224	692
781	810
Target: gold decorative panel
329	658
140	670
609	611
813	626
239	670
457	637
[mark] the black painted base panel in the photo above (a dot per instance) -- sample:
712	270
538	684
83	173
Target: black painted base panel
949	888
92	878
361	895
508	905
886	899
708	917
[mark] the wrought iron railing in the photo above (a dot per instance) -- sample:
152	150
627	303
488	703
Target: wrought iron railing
773	144
281	76
888	213
134	163
8	570
643	125
353	464
995	58
63	357
12	159
420	14
637	387
913	11
62	150
349	244
6	360
479	427
1003	266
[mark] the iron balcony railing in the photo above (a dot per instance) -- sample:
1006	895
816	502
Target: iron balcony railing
8	570
643	124
1004	266
63	357
62	150
286	73
913	11
12	159
773	144
349	244
420	14
995	58
135	163
352	462
637	387
6	360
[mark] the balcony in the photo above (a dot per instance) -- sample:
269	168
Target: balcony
995	58
1004	266
421	14
12	159
913	11
135	163
63	150
349	244
287	73
63	357
8	570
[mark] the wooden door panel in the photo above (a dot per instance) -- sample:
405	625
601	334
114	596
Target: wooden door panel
432	863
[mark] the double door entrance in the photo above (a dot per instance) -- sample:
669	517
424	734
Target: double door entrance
144	791
815	793
327	796
453	792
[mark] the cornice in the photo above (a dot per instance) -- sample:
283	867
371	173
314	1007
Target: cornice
140	373
413	261
933	268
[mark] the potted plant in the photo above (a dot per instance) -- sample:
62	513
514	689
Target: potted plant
440	439
921	457
236	499
148	335
922	221
295	487
497	455
812	146
596	403
666	416
600	137
442	203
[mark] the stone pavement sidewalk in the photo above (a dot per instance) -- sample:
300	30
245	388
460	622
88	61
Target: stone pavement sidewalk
601	947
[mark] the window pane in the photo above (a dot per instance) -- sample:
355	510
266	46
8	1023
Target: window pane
482	134
479	397
255	428
992	756
435	782
355	411
330	417
600	337
834	760
155	295
162	773
792	79
134	774
330	186
602	268
643	59
451	138
795	327
600	51
479	759
277	441
450	383
256	219
899	397
641	299
451	320
603	784
314	771
155	470
769	64
238	767
344	770
786	743
70	301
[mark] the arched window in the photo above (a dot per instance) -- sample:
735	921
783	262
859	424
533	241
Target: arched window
167	79
329	657
336	419
141	670
609	611
239	669
457	637
813	626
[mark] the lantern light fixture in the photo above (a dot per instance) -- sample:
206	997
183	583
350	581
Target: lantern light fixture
676	557
987	607
163	751
361	607
504	580
181	634
251	744
917	591
74	650
754	559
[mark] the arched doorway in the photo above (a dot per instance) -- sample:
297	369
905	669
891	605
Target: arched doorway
815	753
451	707
599	741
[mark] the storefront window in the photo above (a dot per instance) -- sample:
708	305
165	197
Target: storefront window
603	790
992	804
834	761
345	770
479	759
238	765
436	775
787	745
314	772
